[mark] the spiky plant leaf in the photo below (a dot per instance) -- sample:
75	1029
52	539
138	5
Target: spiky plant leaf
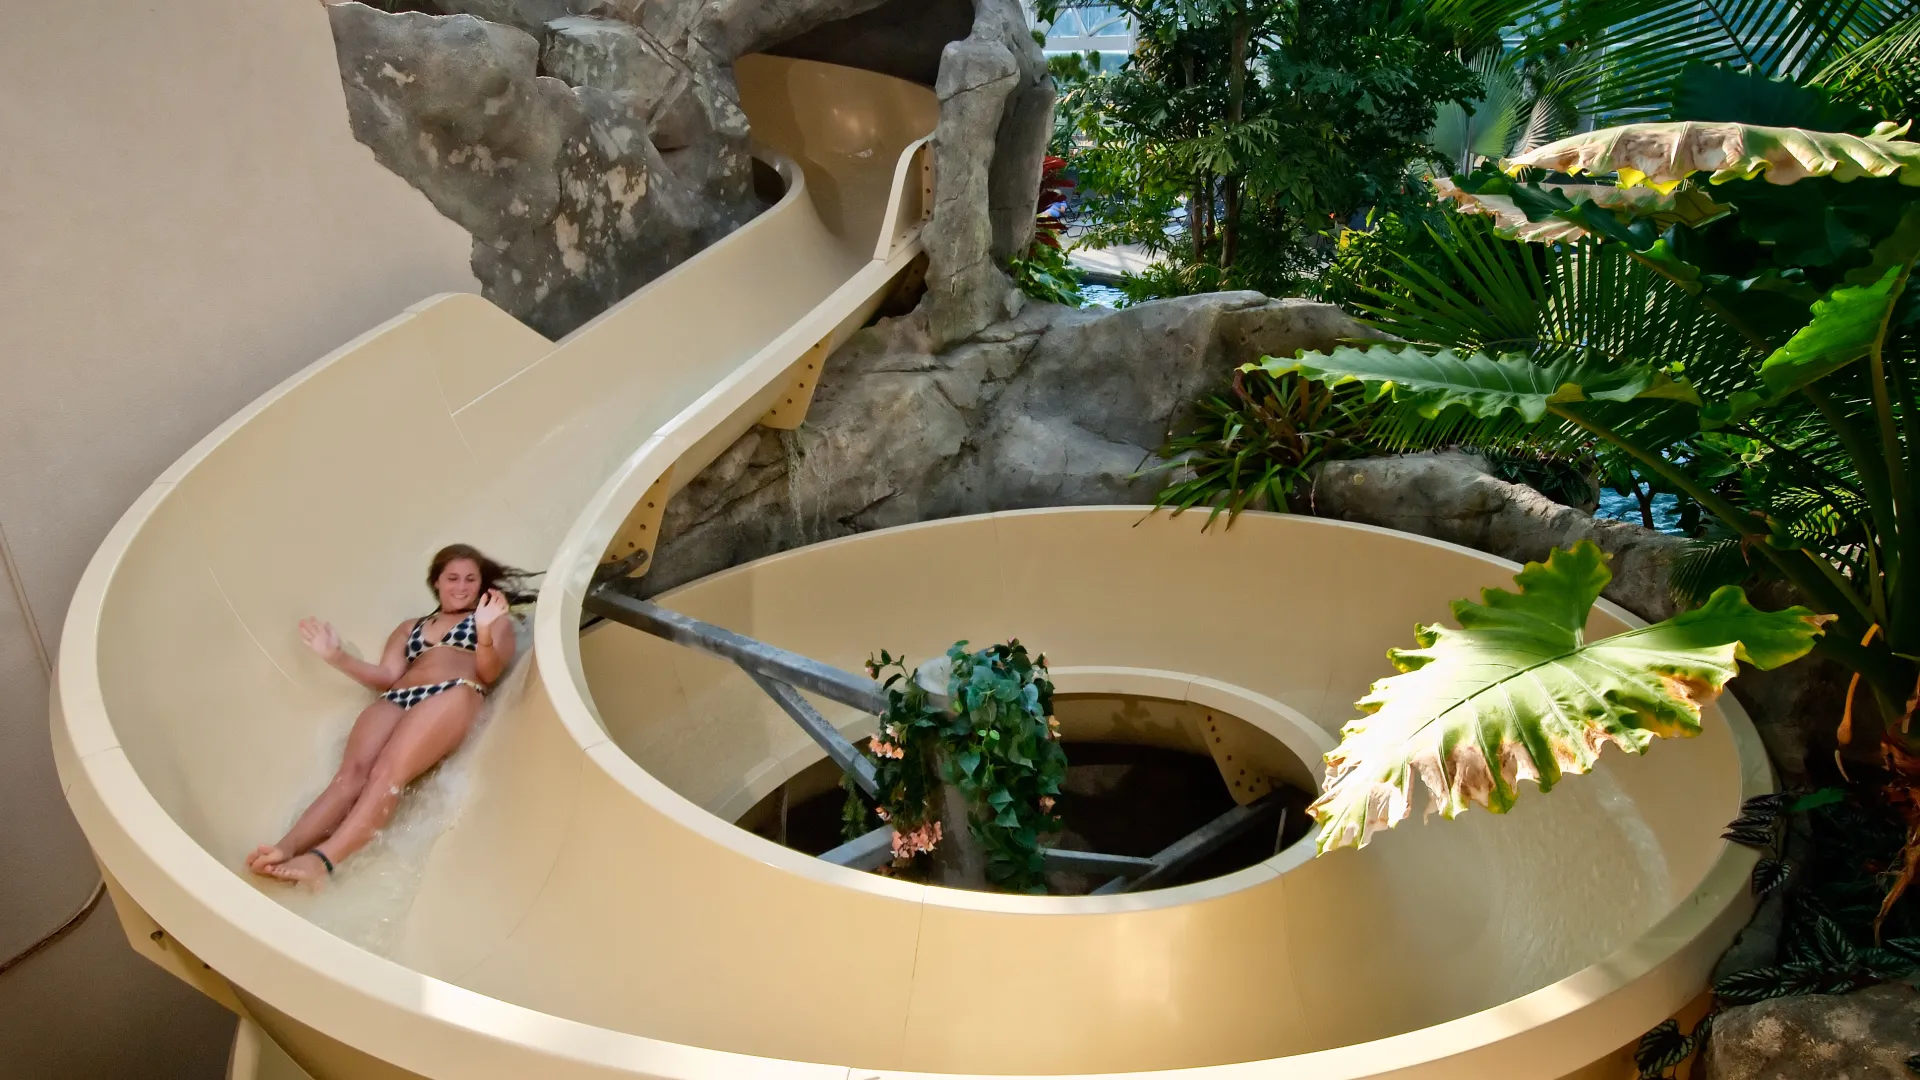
1753	984
1662	1048
1706	565
1831	944
1483	385
1758	837
1649	43
1517	694
1662	155
1882	73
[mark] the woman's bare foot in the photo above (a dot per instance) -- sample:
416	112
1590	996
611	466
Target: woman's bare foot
265	858
301	869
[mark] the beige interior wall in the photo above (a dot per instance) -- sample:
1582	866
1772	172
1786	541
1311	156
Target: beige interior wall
185	219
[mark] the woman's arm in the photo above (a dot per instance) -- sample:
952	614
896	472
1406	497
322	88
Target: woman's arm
321	638
493	650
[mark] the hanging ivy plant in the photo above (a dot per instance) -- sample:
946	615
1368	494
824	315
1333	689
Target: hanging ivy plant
998	743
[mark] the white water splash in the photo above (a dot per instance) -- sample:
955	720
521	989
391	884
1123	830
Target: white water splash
367	900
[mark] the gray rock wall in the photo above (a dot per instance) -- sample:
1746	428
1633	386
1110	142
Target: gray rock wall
590	145
585	158
996	109
1057	407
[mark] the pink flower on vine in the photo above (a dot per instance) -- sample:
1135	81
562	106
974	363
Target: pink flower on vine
1046	804
885	749
919	840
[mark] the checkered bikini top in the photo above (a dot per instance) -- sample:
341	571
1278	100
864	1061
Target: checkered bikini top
464	635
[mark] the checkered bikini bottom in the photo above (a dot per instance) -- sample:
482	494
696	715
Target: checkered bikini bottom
408	696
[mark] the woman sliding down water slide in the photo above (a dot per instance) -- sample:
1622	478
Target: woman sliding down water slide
432	678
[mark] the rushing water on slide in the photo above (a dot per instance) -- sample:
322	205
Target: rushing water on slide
367	901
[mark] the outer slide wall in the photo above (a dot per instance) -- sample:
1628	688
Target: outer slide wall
589	915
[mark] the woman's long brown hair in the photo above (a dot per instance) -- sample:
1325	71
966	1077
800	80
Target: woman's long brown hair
511	581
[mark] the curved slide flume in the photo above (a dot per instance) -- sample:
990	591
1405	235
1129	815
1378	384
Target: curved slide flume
591	912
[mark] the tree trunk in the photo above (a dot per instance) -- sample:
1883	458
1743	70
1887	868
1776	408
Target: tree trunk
1196	209
958	862
1197	219
1236	112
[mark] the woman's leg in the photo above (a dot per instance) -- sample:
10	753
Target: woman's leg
369	736
427	733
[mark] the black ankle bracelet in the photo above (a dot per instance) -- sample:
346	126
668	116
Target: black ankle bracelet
324	861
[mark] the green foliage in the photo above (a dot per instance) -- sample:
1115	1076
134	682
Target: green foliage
905	752
1241	133
998	743
1254	446
1529	97
1882	74
1517	693
1047	275
1649	45
1749	343
1432	382
1716	93
1825	850
1005	756
1365	260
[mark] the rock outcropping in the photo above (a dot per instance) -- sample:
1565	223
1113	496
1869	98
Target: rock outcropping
591	145
1056	407
1455	497
585	161
1866	1035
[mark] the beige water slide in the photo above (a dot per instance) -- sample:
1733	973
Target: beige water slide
568	896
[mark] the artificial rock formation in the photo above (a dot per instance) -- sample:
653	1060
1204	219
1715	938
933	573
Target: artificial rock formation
1454	496
1866	1035
1056	407
577	189
590	145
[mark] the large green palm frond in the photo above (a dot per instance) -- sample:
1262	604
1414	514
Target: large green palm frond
1882	73
1494	125
1648	43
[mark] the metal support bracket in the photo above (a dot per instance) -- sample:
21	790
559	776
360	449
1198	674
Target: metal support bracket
790	408
632	546
783	675
868	851
851	761
855	691
1094	862
1234	744
1169	861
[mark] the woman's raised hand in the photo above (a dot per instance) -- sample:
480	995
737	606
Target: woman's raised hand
492	607
321	638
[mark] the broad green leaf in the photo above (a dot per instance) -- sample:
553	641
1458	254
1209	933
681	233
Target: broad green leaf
1845	325
1715	92
1662	155
1517	694
1484	385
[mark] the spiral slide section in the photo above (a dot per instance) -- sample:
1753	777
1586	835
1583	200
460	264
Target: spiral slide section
590	910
